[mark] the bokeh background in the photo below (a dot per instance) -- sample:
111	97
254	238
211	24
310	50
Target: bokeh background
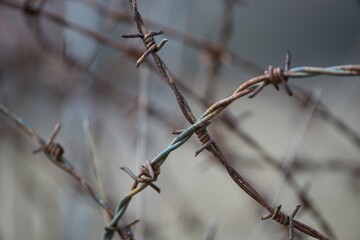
52	73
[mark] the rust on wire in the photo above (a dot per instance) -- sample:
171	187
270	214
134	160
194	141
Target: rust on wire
283	219
149	41
148	174
204	138
50	148
275	76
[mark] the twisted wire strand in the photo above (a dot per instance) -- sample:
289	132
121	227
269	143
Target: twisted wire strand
342	70
203	136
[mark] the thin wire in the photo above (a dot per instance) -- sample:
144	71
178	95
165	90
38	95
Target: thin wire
290	156
95	161
295	144
141	143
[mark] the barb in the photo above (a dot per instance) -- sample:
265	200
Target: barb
283	219
148	174
149	41
50	148
276	77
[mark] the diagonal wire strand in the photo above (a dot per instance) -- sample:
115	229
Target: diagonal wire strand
291	153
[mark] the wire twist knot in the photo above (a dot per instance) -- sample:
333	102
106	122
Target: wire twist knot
50	148
149	41
203	136
283	219
275	76
148	174
278	216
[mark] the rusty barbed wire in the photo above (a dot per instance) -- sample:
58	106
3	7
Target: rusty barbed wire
54	153
270	81
217	61
244	89
187	39
276	77
283	219
148	174
231	121
247	88
52	149
227	118
218	50
149	42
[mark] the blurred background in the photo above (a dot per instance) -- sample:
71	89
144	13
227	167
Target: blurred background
69	64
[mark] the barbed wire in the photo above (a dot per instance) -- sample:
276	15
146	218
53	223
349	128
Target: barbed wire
277	78
212	48
55	153
216	50
274	76
251	86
